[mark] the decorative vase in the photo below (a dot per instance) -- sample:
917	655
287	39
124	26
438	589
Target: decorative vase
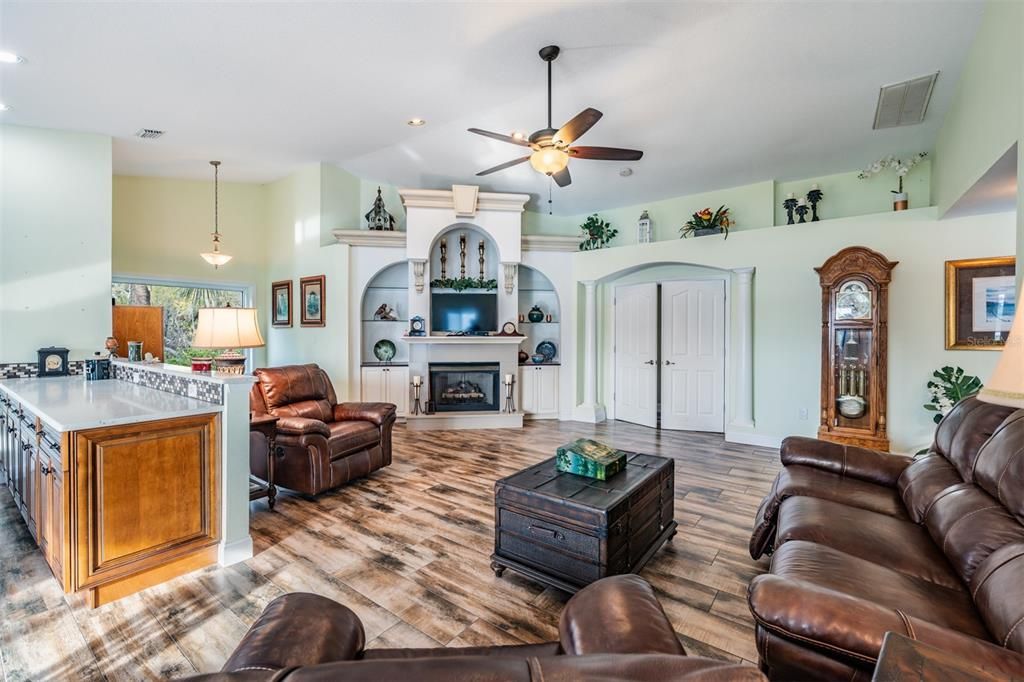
135	351
548	318
538	358
523	356
900	201
705	231
535	314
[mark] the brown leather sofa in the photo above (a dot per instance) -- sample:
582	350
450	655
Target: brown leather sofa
614	629
867	542
321	443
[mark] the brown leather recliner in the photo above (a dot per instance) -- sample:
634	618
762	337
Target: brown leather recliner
866	542
614	629
321	443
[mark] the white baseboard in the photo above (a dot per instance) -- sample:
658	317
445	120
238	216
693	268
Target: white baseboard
747	438
593	414
233	552
464	420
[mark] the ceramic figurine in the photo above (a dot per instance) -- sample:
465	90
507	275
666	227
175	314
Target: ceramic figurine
801	210
789	204
535	314
813	197
385	312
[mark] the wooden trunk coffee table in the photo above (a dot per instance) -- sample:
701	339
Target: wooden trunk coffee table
567	531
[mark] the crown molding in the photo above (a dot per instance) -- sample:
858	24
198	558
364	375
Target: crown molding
539	242
387	238
445	198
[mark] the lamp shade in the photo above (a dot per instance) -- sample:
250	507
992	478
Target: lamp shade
227	328
1006	385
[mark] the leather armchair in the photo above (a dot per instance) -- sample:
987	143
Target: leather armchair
612	629
321	444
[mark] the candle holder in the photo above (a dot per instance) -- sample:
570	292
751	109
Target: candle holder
789	204
801	210
416	388
510	399
813	197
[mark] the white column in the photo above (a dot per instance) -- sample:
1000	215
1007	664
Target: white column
591	410
235	541
743	405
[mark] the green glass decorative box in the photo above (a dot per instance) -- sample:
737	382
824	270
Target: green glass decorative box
586	457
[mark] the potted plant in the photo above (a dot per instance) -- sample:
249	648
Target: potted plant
705	222
951	385
598	233
900	199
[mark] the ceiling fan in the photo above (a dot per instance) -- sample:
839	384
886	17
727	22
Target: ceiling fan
551	150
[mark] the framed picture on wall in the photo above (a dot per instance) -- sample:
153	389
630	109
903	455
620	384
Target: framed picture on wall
312	293
980	300
281	303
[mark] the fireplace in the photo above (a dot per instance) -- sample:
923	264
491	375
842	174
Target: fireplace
465	387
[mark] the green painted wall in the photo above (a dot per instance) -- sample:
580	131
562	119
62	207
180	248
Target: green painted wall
339	201
985	118
160	225
54	241
787	306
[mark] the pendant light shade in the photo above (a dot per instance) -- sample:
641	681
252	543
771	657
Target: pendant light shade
215	257
1006	385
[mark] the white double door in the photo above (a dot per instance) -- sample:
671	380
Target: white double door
670	354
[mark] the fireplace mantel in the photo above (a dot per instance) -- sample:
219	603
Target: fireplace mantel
453	340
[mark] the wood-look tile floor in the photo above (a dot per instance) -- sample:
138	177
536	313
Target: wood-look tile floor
407	549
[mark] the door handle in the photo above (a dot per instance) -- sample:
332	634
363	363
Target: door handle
650	362
669	362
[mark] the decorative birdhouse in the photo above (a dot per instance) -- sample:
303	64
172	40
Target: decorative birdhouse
643	229
378	218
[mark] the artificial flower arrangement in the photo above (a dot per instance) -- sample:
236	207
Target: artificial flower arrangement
951	386
902	167
705	222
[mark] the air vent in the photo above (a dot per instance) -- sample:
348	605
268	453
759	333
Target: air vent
904	104
148	133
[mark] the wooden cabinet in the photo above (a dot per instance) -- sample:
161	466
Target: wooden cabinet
854	347
538	391
115	509
387	385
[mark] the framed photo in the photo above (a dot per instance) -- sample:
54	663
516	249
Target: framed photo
980	301
281	303
312	294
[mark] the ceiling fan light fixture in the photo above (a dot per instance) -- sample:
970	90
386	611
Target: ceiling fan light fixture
549	160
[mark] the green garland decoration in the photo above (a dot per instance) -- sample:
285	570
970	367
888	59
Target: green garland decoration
463	283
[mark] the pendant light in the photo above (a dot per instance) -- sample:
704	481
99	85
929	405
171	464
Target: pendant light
215	257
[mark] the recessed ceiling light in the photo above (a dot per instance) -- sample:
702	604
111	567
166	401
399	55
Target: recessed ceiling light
626	172
415	122
10	58
4	107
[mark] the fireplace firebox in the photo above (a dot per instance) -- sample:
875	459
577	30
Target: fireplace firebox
465	387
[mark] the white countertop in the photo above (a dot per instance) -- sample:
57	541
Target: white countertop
72	403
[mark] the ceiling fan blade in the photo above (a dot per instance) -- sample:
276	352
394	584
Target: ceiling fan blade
606	153
579	124
503	166
562	177
499	136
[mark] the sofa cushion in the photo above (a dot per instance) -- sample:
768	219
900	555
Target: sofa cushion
896	543
347	437
834	570
999	467
968	525
922	482
963	431
998	589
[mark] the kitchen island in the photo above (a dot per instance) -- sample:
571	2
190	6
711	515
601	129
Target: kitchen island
121	484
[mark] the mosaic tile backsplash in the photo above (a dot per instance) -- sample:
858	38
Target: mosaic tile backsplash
189	387
29	370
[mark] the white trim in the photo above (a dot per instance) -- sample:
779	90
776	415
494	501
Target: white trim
131	278
445	198
747	438
383	238
540	242
465	339
229	553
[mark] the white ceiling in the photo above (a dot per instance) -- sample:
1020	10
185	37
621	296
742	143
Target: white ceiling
716	94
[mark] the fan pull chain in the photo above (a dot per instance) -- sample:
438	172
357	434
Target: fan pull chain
549	197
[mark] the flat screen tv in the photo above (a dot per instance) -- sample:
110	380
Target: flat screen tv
463	312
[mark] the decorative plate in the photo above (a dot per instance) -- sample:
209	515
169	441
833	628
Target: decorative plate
384	350
547	349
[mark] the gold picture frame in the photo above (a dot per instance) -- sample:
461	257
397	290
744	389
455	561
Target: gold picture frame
971	323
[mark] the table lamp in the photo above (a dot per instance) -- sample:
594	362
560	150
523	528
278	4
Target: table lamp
228	328
1006	385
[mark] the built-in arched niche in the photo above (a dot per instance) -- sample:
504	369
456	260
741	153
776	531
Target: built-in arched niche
389	287
536	290
464	287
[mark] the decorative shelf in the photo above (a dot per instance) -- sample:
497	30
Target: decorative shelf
538	242
453	340
388	238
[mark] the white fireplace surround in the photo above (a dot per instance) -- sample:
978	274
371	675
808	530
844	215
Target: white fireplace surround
496	218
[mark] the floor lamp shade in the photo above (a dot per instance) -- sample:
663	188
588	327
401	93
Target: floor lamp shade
227	328
1006	385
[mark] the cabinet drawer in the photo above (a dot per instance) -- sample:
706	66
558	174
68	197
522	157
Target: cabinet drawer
547	533
548	560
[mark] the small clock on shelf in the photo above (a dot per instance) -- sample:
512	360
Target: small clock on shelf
53	362
417	326
509	329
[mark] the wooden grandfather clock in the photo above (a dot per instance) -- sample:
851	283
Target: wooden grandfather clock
854	349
